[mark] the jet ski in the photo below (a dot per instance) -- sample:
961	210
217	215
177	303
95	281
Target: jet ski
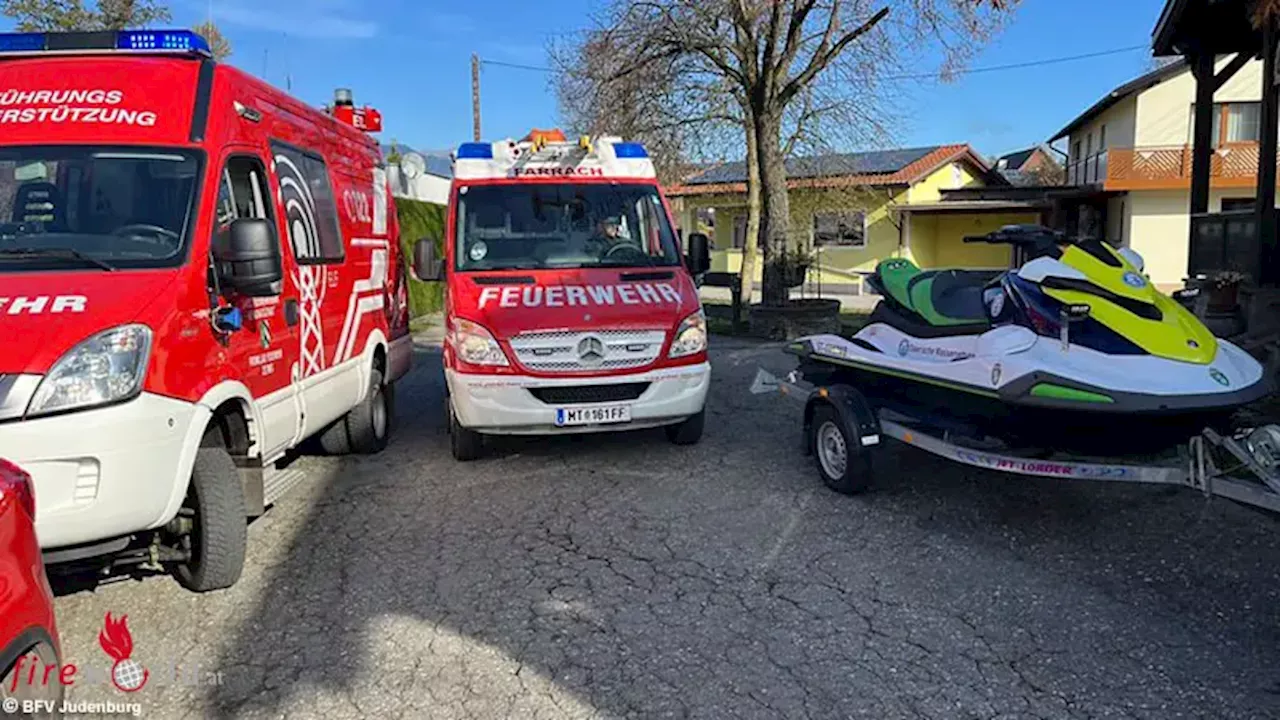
1073	351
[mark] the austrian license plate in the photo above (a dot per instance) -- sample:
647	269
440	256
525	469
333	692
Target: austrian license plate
600	414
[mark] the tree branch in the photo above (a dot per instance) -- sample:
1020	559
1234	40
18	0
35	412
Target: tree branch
824	55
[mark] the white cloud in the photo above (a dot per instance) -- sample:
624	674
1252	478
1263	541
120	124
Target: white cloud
306	18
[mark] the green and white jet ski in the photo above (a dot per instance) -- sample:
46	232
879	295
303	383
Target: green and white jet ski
1075	351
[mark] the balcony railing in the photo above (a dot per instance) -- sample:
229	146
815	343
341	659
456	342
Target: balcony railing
1088	171
1169	167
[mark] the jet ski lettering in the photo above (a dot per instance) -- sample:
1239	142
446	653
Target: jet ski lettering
43	303
580	295
906	347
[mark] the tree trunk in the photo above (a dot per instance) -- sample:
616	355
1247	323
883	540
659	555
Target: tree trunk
751	241
776	218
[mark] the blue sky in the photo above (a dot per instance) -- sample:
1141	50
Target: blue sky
411	60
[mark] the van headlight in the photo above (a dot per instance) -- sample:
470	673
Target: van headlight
691	336
476	345
108	367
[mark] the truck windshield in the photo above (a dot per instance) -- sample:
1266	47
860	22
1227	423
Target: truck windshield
94	207
562	225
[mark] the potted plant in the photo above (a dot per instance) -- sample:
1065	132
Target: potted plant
1224	289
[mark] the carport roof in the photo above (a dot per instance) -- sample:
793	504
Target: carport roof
881	167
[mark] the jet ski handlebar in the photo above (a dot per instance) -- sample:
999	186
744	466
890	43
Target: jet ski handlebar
1021	235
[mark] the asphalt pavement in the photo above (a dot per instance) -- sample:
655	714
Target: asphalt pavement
621	576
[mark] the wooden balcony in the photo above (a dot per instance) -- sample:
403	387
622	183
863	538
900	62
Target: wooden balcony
1169	168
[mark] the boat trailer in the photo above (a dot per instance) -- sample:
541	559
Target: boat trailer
843	431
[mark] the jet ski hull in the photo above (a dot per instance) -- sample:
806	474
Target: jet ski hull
1025	390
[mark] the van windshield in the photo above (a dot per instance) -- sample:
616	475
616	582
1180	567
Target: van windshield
562	225
94	207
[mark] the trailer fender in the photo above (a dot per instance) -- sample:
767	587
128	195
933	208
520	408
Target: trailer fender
853	408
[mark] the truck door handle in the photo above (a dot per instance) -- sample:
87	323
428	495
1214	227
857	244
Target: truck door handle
291	312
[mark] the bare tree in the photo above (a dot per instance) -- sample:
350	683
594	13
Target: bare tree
68	15
219	45
793	74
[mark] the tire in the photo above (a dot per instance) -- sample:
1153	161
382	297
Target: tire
334	439
368	425
466	445
829	439
215	503
53	692
689	430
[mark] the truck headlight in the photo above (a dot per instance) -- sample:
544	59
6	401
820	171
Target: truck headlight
108	367
476	345
691	336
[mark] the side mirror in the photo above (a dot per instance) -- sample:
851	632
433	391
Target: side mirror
427	267
699	253
247	258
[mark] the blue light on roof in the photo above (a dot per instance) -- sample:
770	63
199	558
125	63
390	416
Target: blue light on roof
630	150
163	40
21	42
160	41
475	151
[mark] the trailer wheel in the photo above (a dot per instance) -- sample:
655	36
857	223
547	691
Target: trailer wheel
844	465
368	424
214	509
15	683
466	445
688	431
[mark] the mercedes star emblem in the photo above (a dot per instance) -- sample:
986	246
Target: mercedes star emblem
591	350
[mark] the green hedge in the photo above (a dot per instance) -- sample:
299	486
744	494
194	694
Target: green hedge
418	220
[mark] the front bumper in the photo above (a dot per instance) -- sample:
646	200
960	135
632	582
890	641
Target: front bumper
504	405
103	473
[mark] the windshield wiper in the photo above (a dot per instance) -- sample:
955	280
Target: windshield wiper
57	253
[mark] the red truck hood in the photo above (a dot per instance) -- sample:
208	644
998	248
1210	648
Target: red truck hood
511	302
44	314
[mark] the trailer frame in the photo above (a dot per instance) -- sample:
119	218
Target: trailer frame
1198	466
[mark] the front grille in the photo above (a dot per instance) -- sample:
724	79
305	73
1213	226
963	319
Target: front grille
582	394
573	351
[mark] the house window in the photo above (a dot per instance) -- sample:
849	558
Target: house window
1234	122
843	229
1102	138
1075	151
1236	204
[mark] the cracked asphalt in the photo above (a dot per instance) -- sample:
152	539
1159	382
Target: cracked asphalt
621	576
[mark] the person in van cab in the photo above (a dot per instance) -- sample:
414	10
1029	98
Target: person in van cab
608	235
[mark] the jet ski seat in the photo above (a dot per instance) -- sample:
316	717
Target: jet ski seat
947	301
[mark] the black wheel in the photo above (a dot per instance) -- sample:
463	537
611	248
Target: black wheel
368	424
466	445
842	462
15	685
216	522
688	431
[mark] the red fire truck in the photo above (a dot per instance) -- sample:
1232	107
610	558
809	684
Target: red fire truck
197	273
569	305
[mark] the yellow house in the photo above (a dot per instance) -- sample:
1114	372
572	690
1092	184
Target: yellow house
1134	147
853	210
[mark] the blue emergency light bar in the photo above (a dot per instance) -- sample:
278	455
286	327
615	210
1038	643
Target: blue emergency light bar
475	151
130	41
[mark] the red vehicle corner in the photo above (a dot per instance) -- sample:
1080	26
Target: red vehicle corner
28	630
198	272
569	307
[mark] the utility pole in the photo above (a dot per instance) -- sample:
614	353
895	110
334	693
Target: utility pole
475	96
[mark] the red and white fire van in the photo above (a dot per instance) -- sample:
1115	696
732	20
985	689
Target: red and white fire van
197	273
569	307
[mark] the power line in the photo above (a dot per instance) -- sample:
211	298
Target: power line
918	76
